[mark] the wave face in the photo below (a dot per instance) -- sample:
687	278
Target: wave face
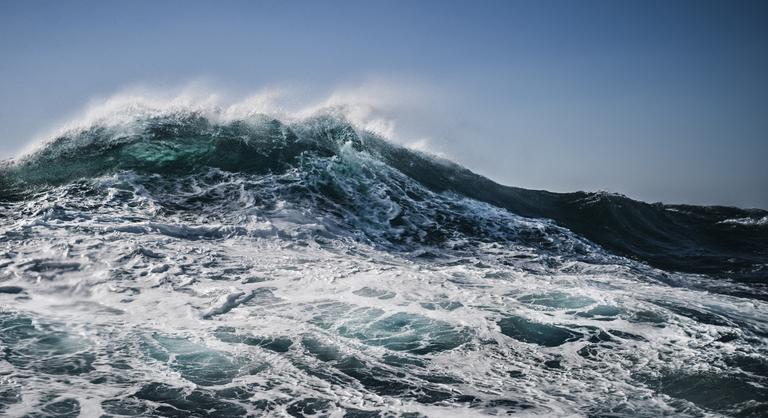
179	265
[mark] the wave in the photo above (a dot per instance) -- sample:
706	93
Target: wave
673	237
179	263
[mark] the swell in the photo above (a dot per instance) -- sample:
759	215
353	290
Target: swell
671	237
687	238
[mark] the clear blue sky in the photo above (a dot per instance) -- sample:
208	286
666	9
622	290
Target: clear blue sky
659	100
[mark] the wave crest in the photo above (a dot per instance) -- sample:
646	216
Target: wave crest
325	150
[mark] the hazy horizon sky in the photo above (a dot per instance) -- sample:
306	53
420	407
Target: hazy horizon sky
659	100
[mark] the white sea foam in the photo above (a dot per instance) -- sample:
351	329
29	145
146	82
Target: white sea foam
196	307
747	221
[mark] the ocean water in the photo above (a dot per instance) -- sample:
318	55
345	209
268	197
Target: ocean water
176	264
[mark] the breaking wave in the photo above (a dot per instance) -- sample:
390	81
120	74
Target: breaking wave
182	264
